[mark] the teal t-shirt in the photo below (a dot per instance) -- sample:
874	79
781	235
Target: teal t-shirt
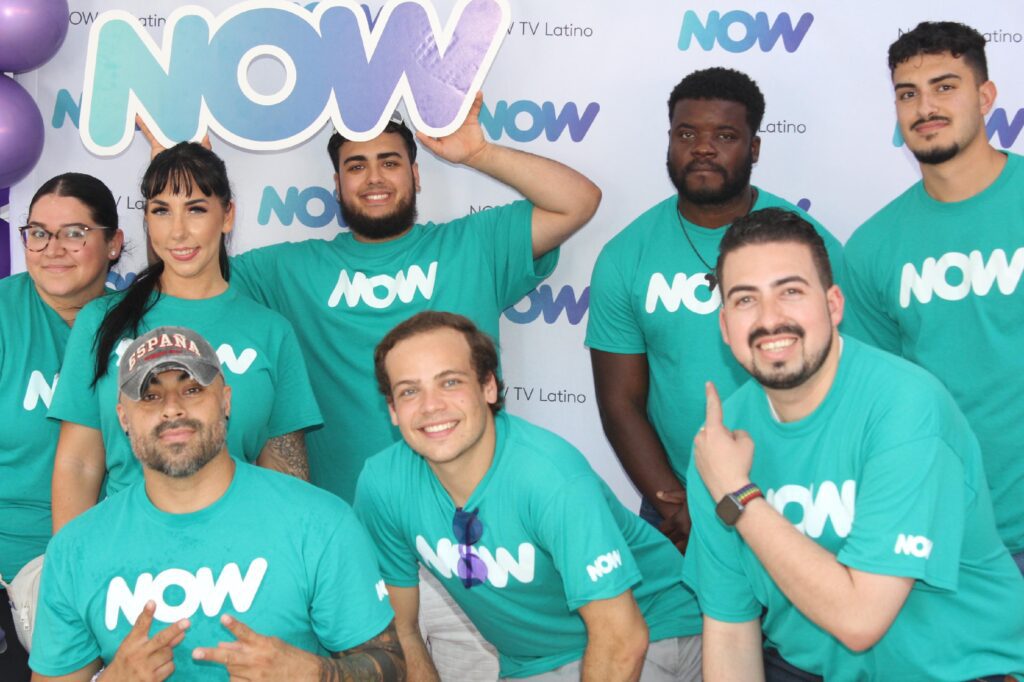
648	294
259	355
32	340
285	558
343	296
554	539
887	475
940	284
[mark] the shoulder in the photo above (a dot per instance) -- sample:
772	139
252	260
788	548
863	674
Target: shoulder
92	527
639	230
881	224
548	458
243	306
768	200
288	497
520	210
13	287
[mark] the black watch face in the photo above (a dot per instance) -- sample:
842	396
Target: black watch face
728	509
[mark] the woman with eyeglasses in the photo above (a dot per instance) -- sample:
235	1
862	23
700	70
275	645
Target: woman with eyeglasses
188	214
71	240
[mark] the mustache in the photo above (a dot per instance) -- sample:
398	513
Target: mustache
922	121
193	424
762	332
695	166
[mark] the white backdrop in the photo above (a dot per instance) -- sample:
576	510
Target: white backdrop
827	140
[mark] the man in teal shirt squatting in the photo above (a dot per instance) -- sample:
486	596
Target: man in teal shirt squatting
343	295
210	566
555	572
652	333
935	276
839	503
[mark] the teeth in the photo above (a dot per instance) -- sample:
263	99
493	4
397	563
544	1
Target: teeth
376	197
184	252
437	428
778	345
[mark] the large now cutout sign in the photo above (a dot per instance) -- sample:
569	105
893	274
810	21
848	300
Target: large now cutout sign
334	63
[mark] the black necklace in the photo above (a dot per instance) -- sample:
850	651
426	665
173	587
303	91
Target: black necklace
709	272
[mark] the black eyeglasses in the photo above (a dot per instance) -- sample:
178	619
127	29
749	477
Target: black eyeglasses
35	238
468	530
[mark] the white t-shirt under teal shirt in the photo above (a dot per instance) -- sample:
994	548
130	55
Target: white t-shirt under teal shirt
260	357
649	295
886	475
554	539
940	283
32	340
344	295
283	557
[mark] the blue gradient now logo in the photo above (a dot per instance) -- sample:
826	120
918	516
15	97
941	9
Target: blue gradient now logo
999	126
543	303
738	31
525	121
312	207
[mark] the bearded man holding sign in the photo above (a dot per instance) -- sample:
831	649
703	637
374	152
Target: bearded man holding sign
830	427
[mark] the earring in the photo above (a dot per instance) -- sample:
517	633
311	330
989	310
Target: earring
113	253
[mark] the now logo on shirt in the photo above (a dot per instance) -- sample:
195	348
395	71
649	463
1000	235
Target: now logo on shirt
380	291
913	545
236	363
830	504
201	591
954	276
500	565
682	292
39	390
603	565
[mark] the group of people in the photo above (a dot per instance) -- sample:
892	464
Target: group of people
258	474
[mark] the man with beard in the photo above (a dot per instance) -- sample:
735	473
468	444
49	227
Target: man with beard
652	335
342	296
220	568
935	276
848	523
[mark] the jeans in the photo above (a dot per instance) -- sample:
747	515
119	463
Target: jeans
649	514
1019	558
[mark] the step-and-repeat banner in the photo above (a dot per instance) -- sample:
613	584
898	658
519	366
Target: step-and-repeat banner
585	83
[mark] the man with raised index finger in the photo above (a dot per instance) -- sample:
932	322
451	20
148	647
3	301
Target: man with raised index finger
840	493
209	567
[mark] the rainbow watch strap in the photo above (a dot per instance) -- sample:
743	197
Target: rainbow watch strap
747	494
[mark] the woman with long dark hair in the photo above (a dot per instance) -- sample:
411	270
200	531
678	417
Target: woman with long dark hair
189	213
71	239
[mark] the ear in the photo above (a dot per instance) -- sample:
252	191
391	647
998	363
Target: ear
490	387
337	184
229	218
755	148
988	93
226	400
115	244
836	304
391	411
722	328
122	417
416	176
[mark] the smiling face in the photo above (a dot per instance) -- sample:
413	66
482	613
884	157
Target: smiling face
776	316
437	401
179	425
940	106
377	187
185	233
711	150
60	273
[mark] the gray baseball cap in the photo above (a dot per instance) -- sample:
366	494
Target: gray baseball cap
162	349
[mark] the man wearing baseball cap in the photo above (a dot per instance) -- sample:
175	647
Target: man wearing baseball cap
209	567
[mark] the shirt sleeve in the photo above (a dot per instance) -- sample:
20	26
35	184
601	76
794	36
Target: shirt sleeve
295	407
910	514
612	326
75	399
398	563
588	549
713	567
250	274
61	641
507	234
865	316
350	603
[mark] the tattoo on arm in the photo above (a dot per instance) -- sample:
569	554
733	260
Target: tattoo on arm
287	454
377	660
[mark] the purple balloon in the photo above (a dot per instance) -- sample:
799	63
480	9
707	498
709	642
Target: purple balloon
31	32
21	132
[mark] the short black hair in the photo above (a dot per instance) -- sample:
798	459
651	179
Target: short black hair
936	37
334	144
769	226
721	83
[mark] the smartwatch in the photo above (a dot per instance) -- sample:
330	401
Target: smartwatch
732	505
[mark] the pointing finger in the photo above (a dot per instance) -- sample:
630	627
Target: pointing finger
142	623
713	409
170	636
240	630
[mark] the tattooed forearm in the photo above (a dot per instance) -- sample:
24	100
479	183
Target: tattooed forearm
377	660
286	454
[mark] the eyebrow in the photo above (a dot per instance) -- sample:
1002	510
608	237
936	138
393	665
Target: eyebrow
363	157
37	223
189	202
931	81
439	375
777	283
